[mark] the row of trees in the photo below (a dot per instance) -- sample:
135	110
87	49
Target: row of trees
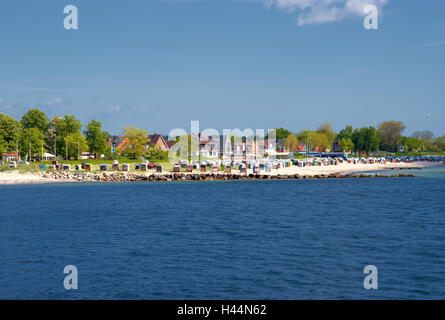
386	137
322	138
35	134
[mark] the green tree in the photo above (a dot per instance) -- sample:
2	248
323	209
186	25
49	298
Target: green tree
3	146
390	133
9	132
35	118
440	142
58	130
291	142
138	140
423	135
346	144
428	142
373	140
68	125
365	139
304	136
326	129
412	144
156	154
357	140
31	140
282	133
51	134
320	140
96	138
74	144
345	133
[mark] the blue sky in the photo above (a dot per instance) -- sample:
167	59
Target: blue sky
229	64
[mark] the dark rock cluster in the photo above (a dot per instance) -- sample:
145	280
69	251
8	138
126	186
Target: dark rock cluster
125	177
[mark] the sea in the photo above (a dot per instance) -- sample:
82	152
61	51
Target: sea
280	239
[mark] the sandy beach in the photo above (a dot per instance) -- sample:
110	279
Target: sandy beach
15	177
352	168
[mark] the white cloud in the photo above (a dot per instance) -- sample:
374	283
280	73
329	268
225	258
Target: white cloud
32	89
51	102
114	109
433	44
322	11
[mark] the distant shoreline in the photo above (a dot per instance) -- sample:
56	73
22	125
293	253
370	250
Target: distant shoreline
293	172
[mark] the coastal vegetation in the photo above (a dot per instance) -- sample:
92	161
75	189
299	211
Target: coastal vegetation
137	141
387	138
35	134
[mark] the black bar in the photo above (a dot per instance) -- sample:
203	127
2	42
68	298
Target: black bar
226	309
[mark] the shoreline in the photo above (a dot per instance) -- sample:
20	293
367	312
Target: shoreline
343	170
346	168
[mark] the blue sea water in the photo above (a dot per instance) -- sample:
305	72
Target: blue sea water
299	239
434	172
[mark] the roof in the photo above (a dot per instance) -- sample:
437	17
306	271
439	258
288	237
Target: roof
122	143
154	139
301	147
170	144
118	142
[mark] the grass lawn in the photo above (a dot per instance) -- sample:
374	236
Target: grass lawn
23	168
34	166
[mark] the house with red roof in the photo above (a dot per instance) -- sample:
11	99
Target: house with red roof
10	156
118	144
157	141
301	148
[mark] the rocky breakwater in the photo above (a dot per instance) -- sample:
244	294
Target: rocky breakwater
66	176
